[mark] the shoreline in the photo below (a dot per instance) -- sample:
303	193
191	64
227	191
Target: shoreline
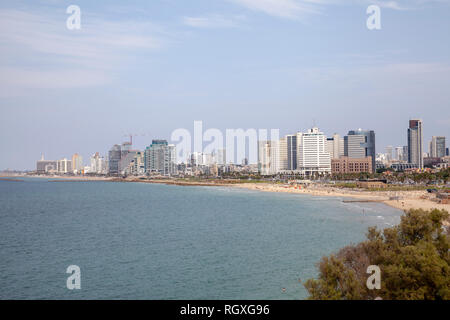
406	199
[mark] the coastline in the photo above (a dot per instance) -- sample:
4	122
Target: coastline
406	199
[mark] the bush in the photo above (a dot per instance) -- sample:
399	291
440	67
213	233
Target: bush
413	257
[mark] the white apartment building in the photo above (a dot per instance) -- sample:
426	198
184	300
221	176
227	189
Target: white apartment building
282	154
437	147
204	159
268	157
314	157
64	166
98	164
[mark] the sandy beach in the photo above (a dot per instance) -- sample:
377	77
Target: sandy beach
407	199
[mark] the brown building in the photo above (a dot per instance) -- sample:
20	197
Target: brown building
351	165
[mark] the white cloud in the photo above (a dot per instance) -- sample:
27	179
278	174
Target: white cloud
291	9
295	9
38	51
213	21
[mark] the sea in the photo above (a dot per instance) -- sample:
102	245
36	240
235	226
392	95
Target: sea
151	241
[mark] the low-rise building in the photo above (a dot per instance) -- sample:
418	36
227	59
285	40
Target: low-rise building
370	184
351	165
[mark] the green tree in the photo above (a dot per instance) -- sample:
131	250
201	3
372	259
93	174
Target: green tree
414	259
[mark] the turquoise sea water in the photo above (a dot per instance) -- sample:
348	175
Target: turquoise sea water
147	241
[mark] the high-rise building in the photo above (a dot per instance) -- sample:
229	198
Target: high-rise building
115	154
398	153
202	159
136	166
268	157
126	160
415	145
405	153
125	148
64	166
98	164
77	164
360	144
313	154
160	157
291	142
437	147
282	154
335	146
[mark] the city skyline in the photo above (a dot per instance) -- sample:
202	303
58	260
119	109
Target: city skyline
425	147
307	153
154	67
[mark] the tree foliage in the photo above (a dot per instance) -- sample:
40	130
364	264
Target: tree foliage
414	258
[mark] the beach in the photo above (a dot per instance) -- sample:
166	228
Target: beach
406	199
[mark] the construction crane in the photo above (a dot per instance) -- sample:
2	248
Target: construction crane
131	135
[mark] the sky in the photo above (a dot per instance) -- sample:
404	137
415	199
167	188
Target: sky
149	67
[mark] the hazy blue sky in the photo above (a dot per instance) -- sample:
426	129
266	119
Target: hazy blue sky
149	67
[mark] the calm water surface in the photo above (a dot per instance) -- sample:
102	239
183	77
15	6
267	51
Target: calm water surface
147	241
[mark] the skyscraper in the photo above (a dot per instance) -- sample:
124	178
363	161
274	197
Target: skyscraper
64	166
282	154
268	157
437	147
160	157
415	145
360	144
115	154
291	141
313	154
126	159
398	153
335	146
405	153
77	163
98	164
